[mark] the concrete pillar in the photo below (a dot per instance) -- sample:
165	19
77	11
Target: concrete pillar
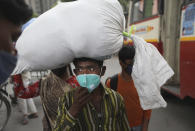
170	32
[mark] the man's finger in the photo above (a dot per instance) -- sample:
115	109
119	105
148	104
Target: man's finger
83	91
84	98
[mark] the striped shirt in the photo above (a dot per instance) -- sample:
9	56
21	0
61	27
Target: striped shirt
112	116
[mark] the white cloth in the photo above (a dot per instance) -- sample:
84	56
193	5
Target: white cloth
83	28
150	72
26	78
25	104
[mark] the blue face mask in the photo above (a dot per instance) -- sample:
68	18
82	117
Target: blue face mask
7	65
89	81
129	69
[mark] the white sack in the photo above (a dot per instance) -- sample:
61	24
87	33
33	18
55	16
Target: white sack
150	72
84	28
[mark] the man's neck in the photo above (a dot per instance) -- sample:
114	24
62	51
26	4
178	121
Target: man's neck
98	91
97	97
125	76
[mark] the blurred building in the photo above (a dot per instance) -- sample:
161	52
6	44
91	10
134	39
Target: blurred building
40	6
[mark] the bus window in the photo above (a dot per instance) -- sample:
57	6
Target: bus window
144	9
137	12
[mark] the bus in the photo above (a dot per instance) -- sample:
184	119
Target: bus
170	26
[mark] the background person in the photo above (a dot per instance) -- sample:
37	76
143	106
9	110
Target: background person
27	106
13	14
123	83
50	89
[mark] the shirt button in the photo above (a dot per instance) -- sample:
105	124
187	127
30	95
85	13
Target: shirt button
99	115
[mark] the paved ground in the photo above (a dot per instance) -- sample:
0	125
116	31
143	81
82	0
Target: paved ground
34	124
178	116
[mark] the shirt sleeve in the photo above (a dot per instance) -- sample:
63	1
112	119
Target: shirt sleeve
122	119
147	114
108	83
28	92
65	121
73	82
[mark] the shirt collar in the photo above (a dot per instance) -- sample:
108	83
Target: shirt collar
105	89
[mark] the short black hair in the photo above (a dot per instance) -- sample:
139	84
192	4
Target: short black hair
59	71
15	11
99	62
126	53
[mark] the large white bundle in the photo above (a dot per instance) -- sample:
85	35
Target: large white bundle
150	72
84	28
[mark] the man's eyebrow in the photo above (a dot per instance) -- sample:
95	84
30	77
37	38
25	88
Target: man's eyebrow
85	66
78	66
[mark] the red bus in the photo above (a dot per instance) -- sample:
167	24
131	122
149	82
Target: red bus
170	26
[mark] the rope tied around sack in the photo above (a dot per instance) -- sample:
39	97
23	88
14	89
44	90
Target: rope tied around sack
126	34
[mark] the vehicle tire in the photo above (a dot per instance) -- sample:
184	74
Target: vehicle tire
5	111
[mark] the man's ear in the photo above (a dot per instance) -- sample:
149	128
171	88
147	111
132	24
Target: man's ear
103	71
121	63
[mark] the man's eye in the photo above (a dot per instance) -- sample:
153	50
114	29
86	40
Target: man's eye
80	70
91	69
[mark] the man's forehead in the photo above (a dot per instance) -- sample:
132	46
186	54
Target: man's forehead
9	32
128	61
10	27
86	63
9	24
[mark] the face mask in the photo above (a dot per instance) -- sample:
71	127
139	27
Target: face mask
7	65
129	69
89	81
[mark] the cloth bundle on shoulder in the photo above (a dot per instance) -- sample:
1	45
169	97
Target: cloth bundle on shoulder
150	72
83	28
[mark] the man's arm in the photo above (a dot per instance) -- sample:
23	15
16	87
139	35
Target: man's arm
33	90
22	92
107	83
29	92
66	119
146	119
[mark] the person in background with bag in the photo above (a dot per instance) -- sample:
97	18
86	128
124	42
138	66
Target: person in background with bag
123	83
50	89
91	107
24	80
13	14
